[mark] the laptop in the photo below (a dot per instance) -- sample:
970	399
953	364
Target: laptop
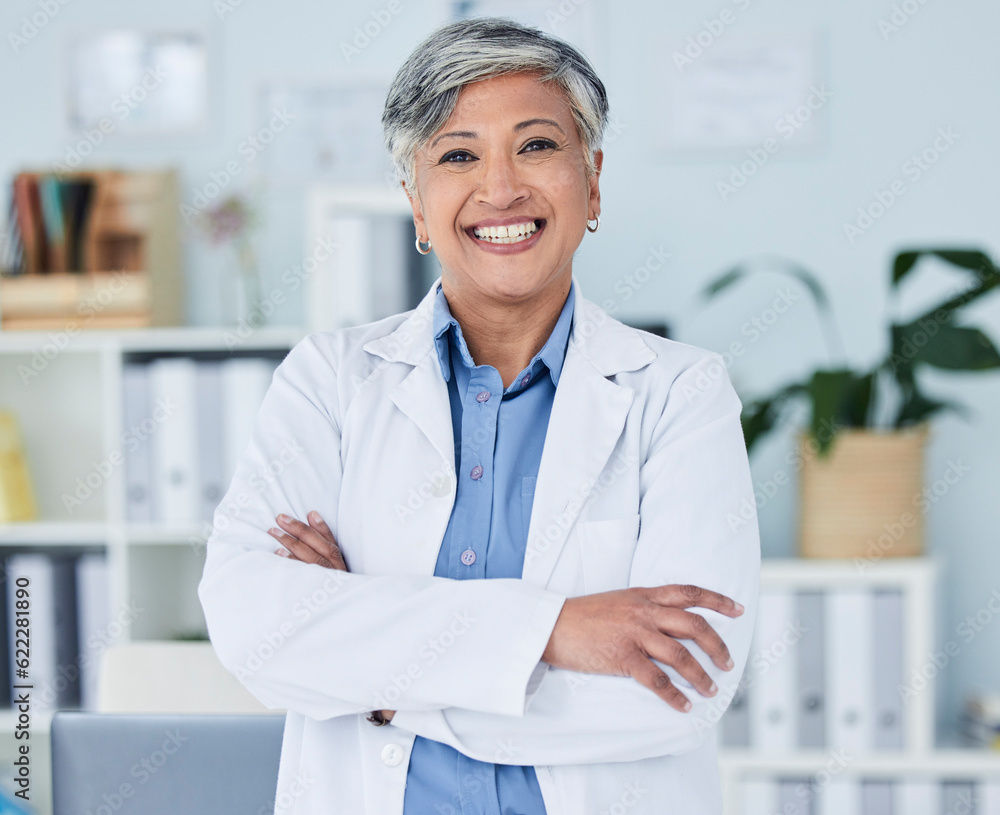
164	764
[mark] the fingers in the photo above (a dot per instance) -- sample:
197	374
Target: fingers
297	550
309	543
686	625
318	523
672	653
643	671
685	596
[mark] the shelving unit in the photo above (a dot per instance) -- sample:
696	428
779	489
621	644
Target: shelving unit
71	416
125	271
922	756
67	393
375	271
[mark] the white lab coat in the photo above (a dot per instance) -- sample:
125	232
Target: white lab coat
643	481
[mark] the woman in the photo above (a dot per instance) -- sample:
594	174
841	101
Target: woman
527	493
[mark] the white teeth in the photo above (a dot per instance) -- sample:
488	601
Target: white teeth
515	233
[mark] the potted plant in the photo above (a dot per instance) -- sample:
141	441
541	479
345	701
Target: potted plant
862	475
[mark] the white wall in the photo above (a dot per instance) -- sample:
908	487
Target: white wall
888	99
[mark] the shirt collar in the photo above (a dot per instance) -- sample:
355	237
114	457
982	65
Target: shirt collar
552	354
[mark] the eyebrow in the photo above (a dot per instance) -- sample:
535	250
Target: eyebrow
531	122
468	134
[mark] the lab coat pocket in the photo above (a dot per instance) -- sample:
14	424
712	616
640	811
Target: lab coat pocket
606	548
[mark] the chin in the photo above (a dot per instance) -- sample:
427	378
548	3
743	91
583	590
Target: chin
512	287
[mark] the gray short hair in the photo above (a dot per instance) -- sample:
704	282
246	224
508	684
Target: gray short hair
425	90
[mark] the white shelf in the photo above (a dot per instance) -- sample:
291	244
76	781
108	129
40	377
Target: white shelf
163	339
961	763
815	573
54	533
68	533
166	534
41	722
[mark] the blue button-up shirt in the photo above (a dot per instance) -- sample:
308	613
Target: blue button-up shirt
499	434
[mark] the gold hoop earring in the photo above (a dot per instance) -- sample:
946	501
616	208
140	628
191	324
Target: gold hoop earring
426	251
596	226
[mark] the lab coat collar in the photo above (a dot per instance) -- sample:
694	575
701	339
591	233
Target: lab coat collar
609	346
599	348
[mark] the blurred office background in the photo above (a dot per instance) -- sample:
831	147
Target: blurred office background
831	135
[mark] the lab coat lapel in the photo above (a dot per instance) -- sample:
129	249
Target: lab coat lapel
422	394
423	397
587	419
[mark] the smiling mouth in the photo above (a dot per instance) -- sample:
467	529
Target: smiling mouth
514	233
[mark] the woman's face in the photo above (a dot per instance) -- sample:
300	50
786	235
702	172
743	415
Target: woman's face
509	159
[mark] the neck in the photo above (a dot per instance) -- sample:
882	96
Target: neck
507	335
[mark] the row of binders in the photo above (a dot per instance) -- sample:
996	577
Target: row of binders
981	720
70	627
48	221
825	671
187	422
846	795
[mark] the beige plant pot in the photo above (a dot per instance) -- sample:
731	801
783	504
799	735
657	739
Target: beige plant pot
863	499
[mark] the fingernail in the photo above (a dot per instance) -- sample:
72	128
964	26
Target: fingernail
282	552
687	706
730	664
713	689
314	515
739	608
284	518
274	531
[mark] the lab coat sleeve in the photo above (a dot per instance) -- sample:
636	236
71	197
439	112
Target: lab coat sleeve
325	643
697	526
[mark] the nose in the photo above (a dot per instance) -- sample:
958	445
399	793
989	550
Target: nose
501	185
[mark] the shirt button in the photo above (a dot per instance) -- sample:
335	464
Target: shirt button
392	754
483	396
468	557
477	472
524	380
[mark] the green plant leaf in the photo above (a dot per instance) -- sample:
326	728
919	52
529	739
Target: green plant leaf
919	407
811	283
828	391
953	347
761	415
903	263
971	259
724	281
827	324
966	259
857	400
756	419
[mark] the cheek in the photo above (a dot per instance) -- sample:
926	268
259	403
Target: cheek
569	183
572	192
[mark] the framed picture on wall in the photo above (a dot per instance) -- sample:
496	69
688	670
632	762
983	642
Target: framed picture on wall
137	82
321	132
719	95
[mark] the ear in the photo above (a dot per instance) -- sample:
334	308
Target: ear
595	189
418	215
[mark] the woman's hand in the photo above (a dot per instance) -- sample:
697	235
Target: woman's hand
618	632
312	543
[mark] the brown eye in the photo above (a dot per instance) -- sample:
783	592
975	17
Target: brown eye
535	145
457	156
